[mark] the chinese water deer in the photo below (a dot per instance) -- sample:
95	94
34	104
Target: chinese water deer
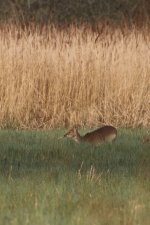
96	137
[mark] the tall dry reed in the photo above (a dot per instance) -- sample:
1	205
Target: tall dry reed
58	78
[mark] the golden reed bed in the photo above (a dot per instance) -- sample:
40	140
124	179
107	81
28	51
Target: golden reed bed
59	78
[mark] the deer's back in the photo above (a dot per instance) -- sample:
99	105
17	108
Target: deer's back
101	134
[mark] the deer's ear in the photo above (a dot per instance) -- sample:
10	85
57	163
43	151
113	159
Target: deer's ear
77	126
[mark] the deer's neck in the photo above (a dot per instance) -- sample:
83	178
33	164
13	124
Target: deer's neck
78	138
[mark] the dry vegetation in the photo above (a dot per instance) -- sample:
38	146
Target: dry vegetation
57	78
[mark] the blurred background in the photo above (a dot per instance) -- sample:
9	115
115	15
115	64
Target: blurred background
62	12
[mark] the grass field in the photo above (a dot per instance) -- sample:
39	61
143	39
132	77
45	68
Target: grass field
45	180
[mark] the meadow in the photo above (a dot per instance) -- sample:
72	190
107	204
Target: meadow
51	79
54	78
46	180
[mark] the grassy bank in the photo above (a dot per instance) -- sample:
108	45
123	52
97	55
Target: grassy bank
55	78
49	181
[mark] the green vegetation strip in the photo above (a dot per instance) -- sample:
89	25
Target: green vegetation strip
47	180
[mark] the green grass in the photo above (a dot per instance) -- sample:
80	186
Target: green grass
44	180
